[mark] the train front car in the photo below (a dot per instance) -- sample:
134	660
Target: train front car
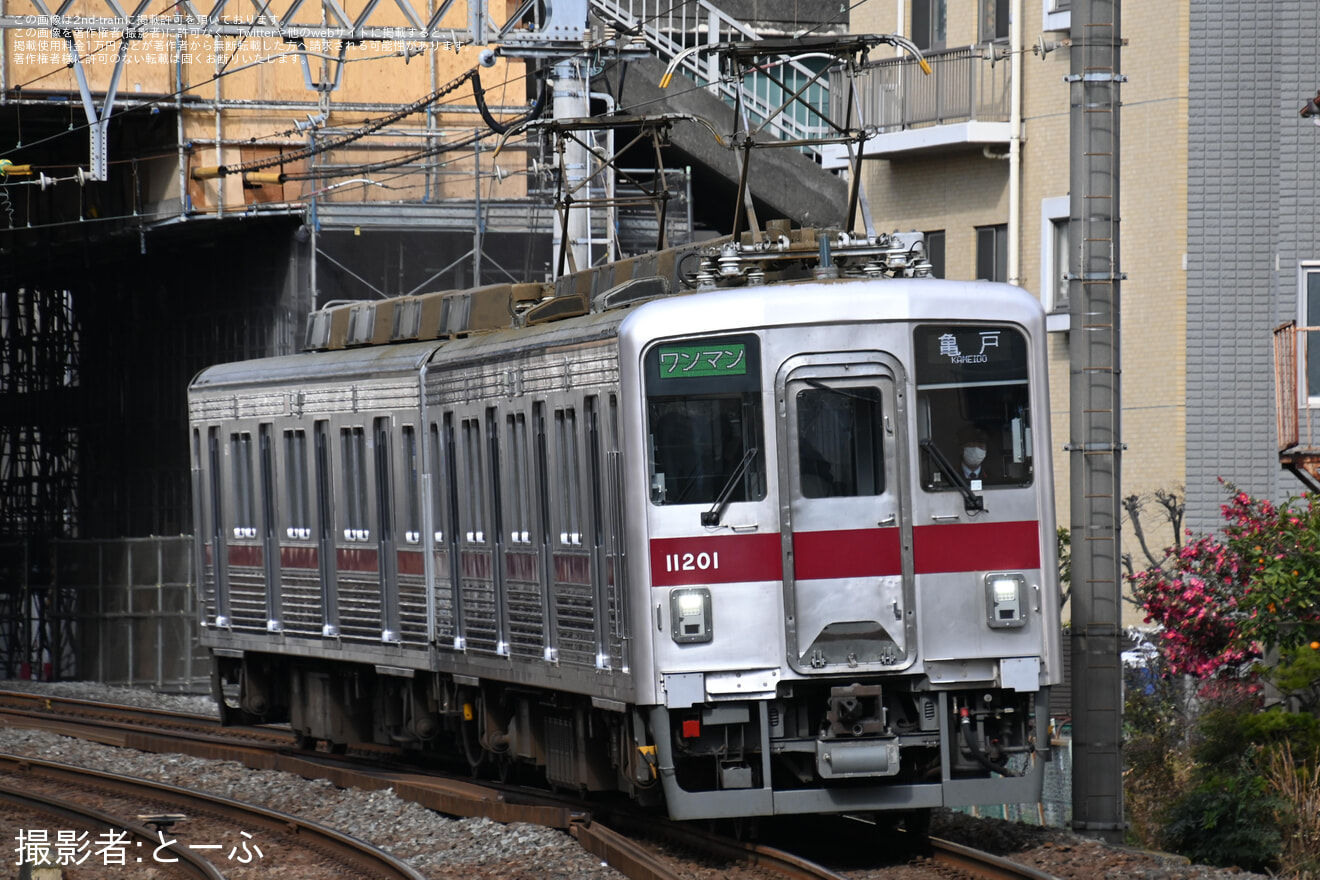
845	611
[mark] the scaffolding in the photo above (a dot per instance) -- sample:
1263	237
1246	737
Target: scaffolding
39	385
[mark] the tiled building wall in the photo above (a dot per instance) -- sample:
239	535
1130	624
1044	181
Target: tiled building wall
1251	219
959	191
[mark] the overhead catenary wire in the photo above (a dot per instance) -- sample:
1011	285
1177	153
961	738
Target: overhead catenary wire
370	127
406	53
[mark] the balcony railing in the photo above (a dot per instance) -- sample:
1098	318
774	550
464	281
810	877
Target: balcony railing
894	95
1296	377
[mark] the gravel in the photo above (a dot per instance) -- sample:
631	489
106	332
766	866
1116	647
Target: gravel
436	845
473	849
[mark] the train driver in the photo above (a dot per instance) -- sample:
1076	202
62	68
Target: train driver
972	442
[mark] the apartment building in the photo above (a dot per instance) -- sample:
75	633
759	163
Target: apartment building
942	163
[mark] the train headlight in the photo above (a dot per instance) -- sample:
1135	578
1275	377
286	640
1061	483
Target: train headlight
689	613
1005	599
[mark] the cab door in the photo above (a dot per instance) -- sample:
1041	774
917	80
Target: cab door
846	536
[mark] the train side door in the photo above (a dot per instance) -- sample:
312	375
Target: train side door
847	540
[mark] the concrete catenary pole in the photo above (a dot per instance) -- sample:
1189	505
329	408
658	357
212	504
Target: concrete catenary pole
1095	444
571	102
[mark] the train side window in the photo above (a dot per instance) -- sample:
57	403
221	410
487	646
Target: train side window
542	452
840	442
240	456
297	503
412	526
519	513
353	443
973	394
439	485
217	497
267	450
570	473
591	411
705	420
384	482
473	498
494	471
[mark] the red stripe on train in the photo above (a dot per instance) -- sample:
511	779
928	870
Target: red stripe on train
572	568
847	553
411	562
520	566
357	559
244	554
976	547
298	557
718	559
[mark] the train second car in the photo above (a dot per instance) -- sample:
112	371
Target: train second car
778	543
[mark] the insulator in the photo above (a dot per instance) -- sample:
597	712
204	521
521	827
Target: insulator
729	261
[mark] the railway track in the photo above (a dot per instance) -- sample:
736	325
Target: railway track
612	837
196	834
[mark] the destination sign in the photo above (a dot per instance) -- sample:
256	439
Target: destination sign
958	354
715	365
696	361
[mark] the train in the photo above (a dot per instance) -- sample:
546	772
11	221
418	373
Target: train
694	526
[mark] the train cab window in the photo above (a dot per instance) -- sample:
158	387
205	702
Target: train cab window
245	511
297	498
353	443
704	421
840	442
412	525
973	407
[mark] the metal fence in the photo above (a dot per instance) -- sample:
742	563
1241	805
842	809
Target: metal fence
894	94
121	612
1289	341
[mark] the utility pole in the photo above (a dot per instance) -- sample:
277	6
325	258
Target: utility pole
571	101
1095	443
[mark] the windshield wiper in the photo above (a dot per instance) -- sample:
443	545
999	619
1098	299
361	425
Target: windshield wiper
973	501
712	517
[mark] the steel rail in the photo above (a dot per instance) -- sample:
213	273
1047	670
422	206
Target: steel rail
189	863
982	864
355	853
776	861
601	833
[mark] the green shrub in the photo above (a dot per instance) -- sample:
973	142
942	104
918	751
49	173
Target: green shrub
1227	820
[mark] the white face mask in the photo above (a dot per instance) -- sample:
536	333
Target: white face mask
973	456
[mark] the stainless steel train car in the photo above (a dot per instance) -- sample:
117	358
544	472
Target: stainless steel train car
695	527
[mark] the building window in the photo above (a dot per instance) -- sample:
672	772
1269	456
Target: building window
1056	15
1311	318
1055	260
1058	284
993	15
935	252
992	252
929	24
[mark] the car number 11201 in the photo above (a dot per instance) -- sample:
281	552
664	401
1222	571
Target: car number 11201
692	561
